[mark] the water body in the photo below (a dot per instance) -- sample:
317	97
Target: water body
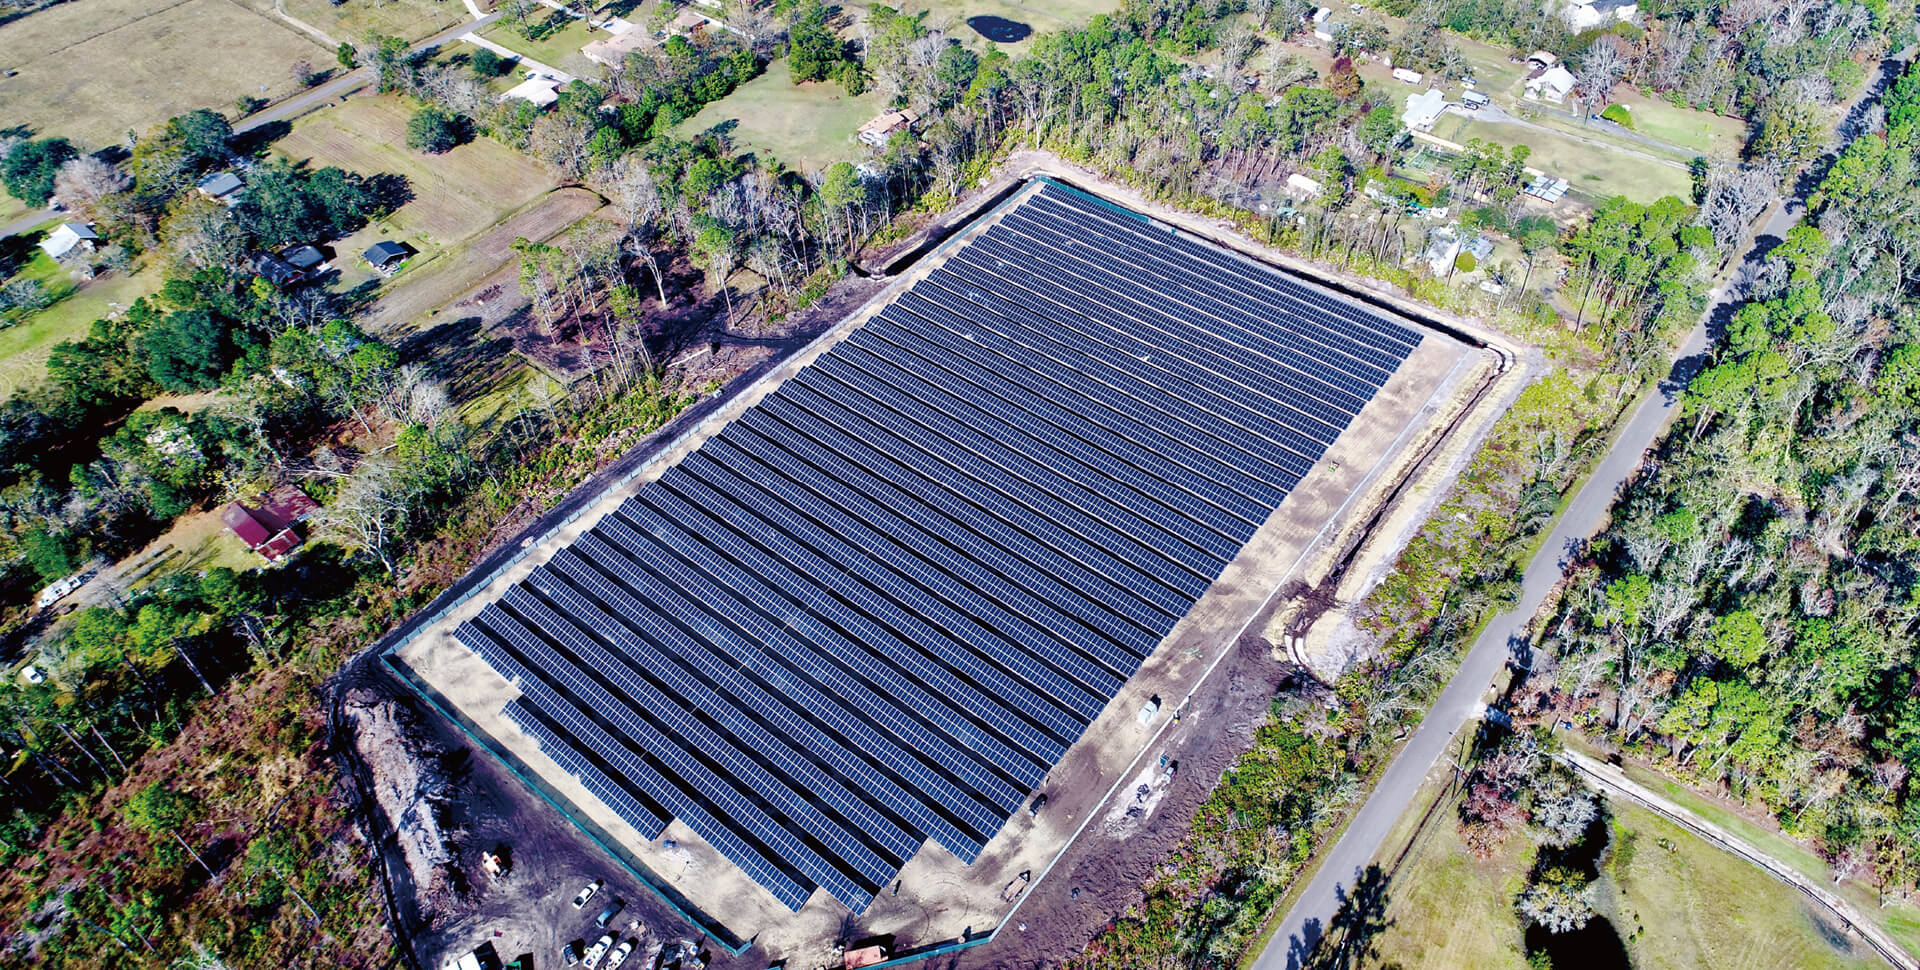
1000	30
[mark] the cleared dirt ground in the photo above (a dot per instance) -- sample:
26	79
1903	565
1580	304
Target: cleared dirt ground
92	70
1206	659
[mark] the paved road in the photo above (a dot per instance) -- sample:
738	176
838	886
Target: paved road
286	110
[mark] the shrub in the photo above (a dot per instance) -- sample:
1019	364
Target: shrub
1465	263
1619	115
487	64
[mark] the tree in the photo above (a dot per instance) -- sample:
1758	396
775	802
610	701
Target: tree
29	168
371	510
391	61
1560	900
814	51
303	73
487	64
188	351
83	182
346	56
1344	80
432	130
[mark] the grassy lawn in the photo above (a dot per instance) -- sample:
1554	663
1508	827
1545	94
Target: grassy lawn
1678	902
25	347
11	208
1044	16
93	70
1593	171
807	127
1698	131
408	19
559	49
455	195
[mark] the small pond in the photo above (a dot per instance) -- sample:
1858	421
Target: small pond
1596	946
1000	30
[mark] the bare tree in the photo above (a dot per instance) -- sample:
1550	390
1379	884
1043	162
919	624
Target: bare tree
635	196
1601	68
82	182
370	510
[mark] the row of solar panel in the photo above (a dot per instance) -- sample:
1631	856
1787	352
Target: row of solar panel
1245	318
1308	308
879	606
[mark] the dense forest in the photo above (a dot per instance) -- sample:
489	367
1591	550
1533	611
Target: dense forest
1749	620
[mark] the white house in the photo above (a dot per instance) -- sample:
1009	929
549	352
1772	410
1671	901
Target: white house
1309	188
1323	24
1406	76
1552	84
71	237
1589	14
542	91
1424	109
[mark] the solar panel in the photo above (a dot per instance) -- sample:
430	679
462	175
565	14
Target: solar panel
878	606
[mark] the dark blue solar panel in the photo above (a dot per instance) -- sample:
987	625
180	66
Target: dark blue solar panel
880	605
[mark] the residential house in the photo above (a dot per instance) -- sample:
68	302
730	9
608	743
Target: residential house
304	258
224	186
543	92
612	50
277	271
71	238
1474	100
1406	76
1552	84
1300	186
1591	14
269	528
876	132
689	23
1323	25
1424	109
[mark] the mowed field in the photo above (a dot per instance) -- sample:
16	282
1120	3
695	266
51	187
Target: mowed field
1592	170
1677	902
408	19
25	347
93	69
456	195
806	126
1044	16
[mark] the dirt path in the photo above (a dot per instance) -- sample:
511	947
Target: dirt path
1616	783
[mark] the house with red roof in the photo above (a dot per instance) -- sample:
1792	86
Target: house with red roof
269	527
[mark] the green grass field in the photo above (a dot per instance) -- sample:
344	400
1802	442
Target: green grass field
560	49
408	19
1043	17
1696	131
1678	902
807	127
93	70
25	347
1593	171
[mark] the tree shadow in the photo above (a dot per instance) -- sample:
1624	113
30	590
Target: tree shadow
471	361
255	141
1352	937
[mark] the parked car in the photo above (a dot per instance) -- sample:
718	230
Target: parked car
570	954
594	887
619	955
606	915
596	951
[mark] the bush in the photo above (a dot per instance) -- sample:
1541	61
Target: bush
1465	263
1619	115
432	130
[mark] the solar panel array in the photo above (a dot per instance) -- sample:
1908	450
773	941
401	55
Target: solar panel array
878	606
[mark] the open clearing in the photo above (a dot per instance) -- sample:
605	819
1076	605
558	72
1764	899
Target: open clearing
455	196
559	49
1592	170
350	21
1043	17
1677	902
806	126
24	348
93	70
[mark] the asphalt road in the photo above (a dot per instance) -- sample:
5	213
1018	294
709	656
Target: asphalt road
291	108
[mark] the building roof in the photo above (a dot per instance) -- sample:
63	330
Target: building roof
268	528
882	127
542	91
304	257
275	270
62	240
384	252
689	19
220	184
1556	81
1548	189
612	50
1424	109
